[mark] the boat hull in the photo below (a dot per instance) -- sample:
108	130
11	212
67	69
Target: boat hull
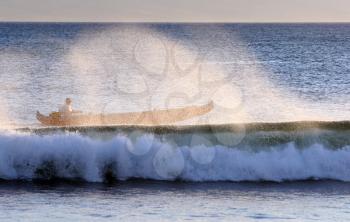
154	117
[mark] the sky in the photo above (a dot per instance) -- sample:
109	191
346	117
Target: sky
175	10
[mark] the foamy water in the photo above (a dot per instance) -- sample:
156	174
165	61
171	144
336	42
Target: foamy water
196	157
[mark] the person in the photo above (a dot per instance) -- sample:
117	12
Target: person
66	109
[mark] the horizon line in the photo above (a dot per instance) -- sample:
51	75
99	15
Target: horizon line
177	22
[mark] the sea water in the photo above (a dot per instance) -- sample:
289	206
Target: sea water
254	73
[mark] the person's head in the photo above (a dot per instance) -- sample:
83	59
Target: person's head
68	101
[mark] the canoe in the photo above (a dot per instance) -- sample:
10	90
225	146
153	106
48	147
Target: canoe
154	117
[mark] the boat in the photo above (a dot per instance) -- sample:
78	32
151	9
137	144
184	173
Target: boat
152	117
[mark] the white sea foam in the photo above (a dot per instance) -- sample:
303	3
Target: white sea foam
73	156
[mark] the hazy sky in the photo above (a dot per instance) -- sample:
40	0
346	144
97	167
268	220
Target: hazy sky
176	10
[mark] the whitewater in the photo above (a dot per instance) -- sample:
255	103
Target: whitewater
193	153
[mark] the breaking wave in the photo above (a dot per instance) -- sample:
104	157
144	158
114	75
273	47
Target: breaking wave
188	156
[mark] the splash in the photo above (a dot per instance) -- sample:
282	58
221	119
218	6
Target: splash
145	69
132	68
137	68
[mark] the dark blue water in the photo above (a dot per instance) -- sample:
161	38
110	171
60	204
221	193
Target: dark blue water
316	54
149	201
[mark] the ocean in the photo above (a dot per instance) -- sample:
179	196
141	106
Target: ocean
276	146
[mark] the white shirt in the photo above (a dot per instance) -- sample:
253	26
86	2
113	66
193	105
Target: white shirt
65	109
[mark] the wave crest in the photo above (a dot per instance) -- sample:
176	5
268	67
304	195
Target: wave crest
76	157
